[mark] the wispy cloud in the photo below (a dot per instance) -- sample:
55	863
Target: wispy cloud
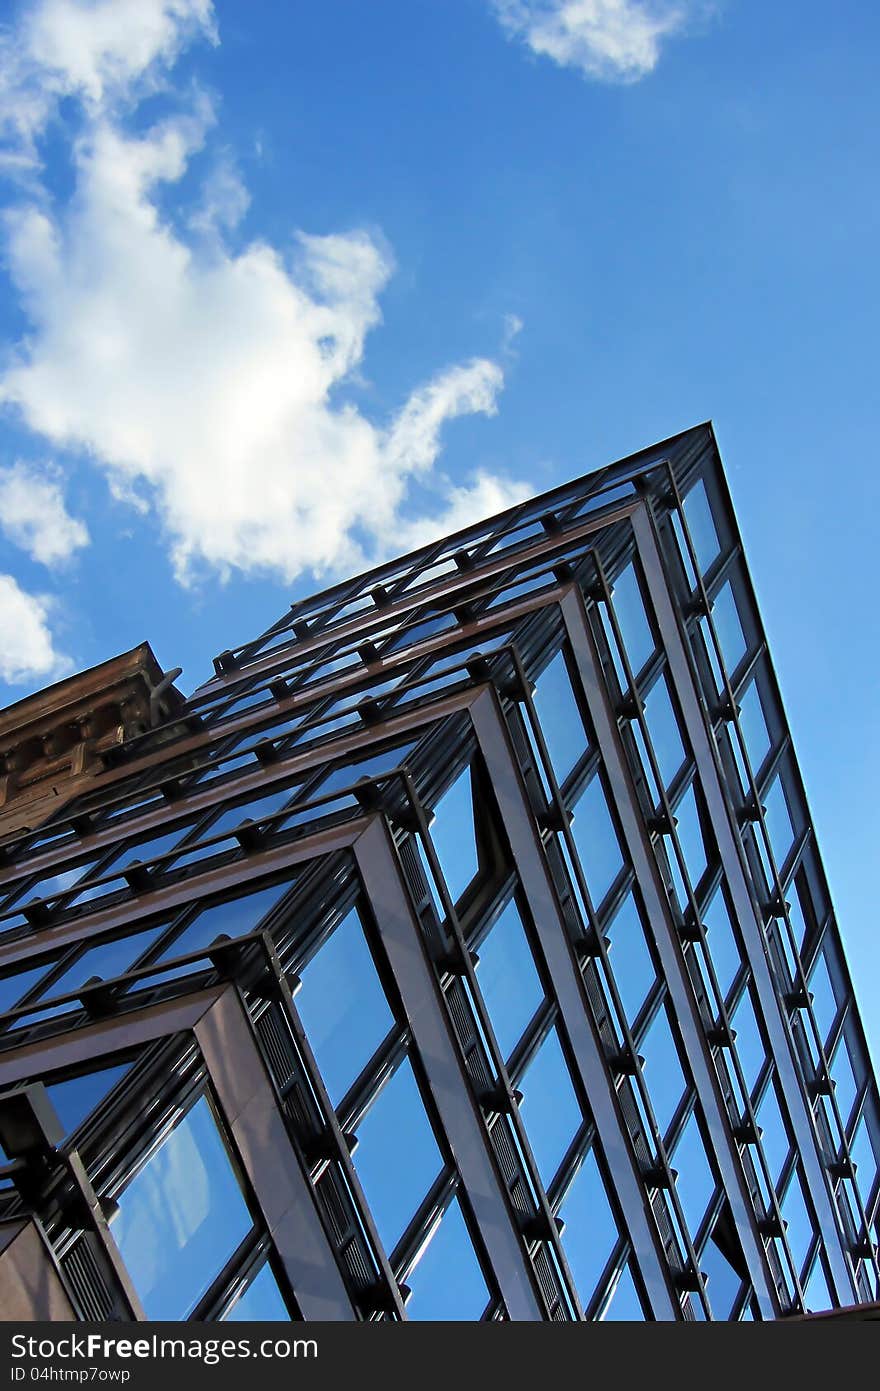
27	649
209	381
611	40
34	516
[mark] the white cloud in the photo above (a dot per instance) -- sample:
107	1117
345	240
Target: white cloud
100	51
470	503
33	514
613	40
213	382
26	644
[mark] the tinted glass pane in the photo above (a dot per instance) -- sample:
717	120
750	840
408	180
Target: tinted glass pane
261	1301
722	1282
749	1046
698	517
108	960
596	842
844	1080
695	1182
690	836
146	849
452	832
76	1098
343	1006
370	767
397	1158
233	919
447	1282
508	979
13	987
624	1305
630	959
549	1109
181	1217
629	609
663	731
249	811
754	726
774	1139
662	1070
799	1233
560	717
590	1232
824	1003
728	627
721	941
778	822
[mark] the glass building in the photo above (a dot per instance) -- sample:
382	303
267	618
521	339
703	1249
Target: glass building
460	950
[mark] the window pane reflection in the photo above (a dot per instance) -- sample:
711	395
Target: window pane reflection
630	958
508	979
447	1282
181	1217
396	1157
663	730
549	1109
453	836
596	842
701	526
632	620
729	628
559	717
343	1006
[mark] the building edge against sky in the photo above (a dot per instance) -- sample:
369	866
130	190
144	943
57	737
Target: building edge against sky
460	949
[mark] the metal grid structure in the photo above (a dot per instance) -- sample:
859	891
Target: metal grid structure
466	946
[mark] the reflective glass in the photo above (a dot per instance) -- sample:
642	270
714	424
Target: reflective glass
343	1006
508	979
701	525
77	1097
824	1004
396	1157
690	836
549	1109
844	1080
863	1158
632	620
447	1282
107	960
663	731
726	618
774	1140
590	1232
596	841
816	1296
778	822
624	1304
234	918
711	654
248	811
721	942
749	1045
262	1301
370	767
181	1217
754	726
722	1282
662	1070
13	987
560	717
799	1232
695	1182
453	836
630	958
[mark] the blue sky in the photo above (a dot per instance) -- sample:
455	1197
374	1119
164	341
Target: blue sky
287	288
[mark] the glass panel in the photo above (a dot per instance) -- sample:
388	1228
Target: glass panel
108	960
778	822
690	836
711	655
630	958
146	849
181	1217
722	942
662	1070
508	979
13	987
844	1080
595	841
248	811
722	1282
632	620
624	1304
76	1098
663	731
728	627
343	1006
370	767
396	1157
453	836
816	1296
774	1140
549	1109
824	1004
700	524
446	1281
560	717
749	1046
754	726
262	1301
863	1158
235	918
799	1232
695	1182
690	574
590	1232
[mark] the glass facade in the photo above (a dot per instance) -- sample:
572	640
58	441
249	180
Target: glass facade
476	909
